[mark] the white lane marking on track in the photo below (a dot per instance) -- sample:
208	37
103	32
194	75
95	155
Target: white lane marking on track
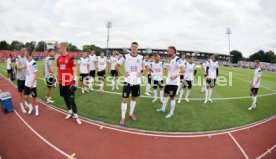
239	146
151	133
193	99
42	138
266	152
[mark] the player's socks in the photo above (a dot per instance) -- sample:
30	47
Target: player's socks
147	89
30	109
117	84
155	95
113	85
161	96
132	107
172	109
123	110
180	95
206	96
82	90
210	94
36	111
69	115
165	102
187	95
26	105
22	108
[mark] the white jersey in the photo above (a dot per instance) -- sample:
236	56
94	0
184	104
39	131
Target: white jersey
147	63
48	61
84	63
257	74
8	64
92	61
133	66
212	72
30	71
113	60
204	65
101	63
157	69
175	64
189	71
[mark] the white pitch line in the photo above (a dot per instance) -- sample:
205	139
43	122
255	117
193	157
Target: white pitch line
42	138
266	152
239	146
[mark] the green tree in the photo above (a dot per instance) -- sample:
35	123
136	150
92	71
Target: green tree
237	56
88	48
72	48
4	45
40	46
30	45
16	45
270	57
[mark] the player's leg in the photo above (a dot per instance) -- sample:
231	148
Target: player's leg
165	99
213	83
34	100
112	80
208	82
188	90
27	92
203	88
91	79
182	90
155	84
125	96
148	85
86	82
81	83
135	92
161	90
254	92
172	98
20	88
116	80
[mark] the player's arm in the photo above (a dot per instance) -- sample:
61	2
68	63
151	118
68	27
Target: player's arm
35	75
117	66
19	67
146	70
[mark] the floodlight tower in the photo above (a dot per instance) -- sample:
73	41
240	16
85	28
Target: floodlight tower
108	26
228	32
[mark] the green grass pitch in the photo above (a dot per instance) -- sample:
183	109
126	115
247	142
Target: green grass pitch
189	117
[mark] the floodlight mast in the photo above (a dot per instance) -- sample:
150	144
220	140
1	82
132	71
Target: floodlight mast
108	26
228	32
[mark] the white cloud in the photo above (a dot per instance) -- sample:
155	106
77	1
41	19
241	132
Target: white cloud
190	25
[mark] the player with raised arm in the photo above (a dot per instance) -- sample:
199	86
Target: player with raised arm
176	68
190	72
92	67
204	67
133	64
48	72
255	84
212	70
148	63
83	66
183	57
112	61
101	67
157	76
66	76
30	83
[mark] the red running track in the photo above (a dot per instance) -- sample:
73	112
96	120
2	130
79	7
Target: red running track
60	138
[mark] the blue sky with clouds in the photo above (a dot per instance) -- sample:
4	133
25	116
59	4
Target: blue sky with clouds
198	25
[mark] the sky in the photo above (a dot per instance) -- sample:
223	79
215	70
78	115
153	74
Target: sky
196	25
